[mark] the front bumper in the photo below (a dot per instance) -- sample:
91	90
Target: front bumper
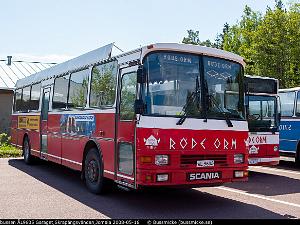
181	177
263	161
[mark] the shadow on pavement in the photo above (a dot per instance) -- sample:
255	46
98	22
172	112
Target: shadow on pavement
268	184
287	165
188	203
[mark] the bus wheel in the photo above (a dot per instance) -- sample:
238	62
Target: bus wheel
93	172
297	158
26	151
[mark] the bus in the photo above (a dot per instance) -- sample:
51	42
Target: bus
263	119
289	129
157	116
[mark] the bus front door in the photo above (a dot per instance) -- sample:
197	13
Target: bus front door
125	141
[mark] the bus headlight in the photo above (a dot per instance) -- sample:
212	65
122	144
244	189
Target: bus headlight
275	148
161	160
162	177
238	174
238	158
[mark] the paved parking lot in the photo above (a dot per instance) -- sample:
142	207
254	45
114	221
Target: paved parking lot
46	190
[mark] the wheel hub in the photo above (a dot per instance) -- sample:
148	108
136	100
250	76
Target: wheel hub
26	150
93	171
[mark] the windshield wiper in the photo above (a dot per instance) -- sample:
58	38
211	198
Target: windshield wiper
186	108
225	114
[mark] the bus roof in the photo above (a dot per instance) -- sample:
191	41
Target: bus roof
70	65
261	85
289	89
197	49
259	77
104	53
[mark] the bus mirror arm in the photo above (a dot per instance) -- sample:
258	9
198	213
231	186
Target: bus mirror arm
140	75
279	117
139	106
247	109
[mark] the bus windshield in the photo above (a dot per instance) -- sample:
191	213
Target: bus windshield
262	113
287	103
172	78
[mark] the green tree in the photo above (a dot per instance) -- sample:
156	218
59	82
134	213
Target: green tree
276	45
294	25
269	42
194	39
279	4
220	39
239	38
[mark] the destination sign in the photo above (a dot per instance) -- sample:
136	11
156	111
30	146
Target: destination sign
180	59
219	65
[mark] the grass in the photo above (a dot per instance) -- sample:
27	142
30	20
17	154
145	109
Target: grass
6	149
9	151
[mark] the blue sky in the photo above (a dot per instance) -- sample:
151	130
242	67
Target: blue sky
58	29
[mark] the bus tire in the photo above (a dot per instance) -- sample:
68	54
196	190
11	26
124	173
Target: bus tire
297	156
28	158
93	172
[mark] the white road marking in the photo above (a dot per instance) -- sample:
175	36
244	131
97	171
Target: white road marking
274	169
257	196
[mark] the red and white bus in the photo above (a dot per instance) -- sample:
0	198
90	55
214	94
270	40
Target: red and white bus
263	119
161	115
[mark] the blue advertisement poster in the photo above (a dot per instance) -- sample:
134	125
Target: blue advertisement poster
78	124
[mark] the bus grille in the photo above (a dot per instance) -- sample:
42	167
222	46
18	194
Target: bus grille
220	160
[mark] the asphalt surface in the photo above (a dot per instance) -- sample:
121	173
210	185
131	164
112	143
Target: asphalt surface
46	190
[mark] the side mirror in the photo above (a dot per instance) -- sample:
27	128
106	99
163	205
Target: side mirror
139	106
141	76
246	88
247	103
279	117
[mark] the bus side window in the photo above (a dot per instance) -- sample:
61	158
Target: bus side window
18	100
26	99
35	96
128	95
298	105
60	96
103	85
78	89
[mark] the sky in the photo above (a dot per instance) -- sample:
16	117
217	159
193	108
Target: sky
56	30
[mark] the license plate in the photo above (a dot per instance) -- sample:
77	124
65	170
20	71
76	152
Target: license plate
205	163
253	161
204	176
